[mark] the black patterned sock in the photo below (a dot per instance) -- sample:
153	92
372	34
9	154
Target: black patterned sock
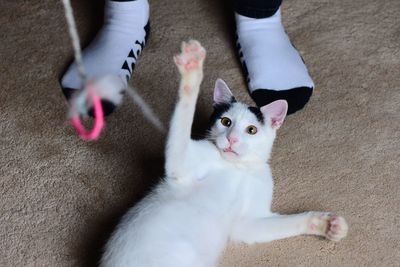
115	49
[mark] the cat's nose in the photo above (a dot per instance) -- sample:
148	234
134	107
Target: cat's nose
232	139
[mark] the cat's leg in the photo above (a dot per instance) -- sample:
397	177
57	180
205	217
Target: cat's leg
276	227
190	66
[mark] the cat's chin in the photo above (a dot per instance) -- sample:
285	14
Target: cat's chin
230	154
230	151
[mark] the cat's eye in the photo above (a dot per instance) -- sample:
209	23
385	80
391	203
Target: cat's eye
226	121
251	129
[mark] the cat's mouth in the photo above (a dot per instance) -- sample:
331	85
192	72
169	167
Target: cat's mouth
230	151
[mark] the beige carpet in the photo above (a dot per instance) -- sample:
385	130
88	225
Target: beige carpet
60	197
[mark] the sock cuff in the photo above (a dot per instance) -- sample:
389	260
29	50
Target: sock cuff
130	15
275	16
127	6
265	9
243	21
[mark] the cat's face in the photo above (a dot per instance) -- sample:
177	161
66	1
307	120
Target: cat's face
242	133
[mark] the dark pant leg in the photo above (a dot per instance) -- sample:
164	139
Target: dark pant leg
257	8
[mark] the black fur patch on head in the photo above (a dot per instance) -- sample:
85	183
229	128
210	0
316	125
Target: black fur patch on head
257	113
220	109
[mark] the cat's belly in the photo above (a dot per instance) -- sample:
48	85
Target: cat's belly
178	225
175	233
190	229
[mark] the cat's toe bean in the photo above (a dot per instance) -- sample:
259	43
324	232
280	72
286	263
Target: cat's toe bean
338	228
331	226
191	56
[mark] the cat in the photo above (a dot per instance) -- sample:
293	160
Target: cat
214	190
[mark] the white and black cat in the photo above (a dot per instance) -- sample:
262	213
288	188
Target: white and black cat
214	190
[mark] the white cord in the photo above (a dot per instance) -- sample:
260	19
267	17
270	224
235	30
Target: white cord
146	110
73	33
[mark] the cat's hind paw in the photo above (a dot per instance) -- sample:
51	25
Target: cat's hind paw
330	226
337	228
191	57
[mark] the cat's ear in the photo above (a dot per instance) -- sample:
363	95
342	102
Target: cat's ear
222	94
275	112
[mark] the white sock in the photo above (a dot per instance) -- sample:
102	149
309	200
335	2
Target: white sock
116	47
274	68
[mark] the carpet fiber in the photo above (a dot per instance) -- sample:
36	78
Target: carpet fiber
61	197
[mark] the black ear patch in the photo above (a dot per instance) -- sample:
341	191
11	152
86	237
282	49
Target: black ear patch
257	112
220	109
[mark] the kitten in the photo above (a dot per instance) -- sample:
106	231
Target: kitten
215	190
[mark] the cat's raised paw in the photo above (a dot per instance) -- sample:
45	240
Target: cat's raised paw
191	57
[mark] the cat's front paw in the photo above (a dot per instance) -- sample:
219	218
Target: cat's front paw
191	58
330	226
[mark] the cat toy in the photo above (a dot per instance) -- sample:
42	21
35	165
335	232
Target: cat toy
89	96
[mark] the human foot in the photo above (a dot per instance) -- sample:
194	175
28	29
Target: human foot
115	49
273	67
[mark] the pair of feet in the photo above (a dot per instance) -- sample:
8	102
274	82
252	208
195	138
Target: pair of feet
272	66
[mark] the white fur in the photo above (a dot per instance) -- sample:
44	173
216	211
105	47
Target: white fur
209	196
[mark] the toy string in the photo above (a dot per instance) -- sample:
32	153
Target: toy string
98	109
73	32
